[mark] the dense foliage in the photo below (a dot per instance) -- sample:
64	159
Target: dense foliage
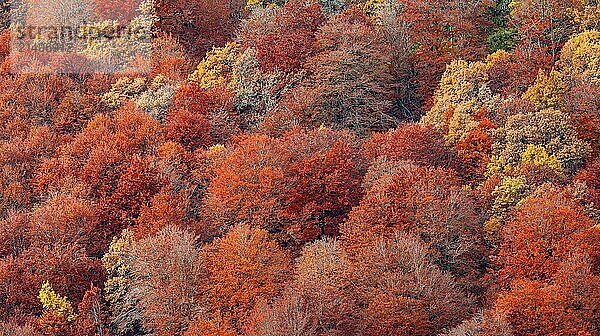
310	168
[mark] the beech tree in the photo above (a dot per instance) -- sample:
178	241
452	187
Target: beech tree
254	89
411	142
167	280
22	152
199	118
534	308
318	302
301	186
422	45
581	104
430	203
552	241
67	219
292	37
350	77
14	329
244	266
396	284
210	326
115	10
590	176
547	91
66	267
199	25
92	314
302	167
546	229
464	110
544	24
97	164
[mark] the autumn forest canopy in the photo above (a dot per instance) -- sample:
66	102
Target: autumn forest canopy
300	168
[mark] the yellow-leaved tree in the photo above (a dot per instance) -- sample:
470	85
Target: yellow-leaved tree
548	90
580	57
216	67
124	314
460	100
58	312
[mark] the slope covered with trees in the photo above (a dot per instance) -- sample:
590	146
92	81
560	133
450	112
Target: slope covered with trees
309	168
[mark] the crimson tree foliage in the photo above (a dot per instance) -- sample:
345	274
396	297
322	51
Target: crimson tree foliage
21	154
582	103
74	111
178	201
168	58
512	73
502	71
544	25
103	162
547	229
200	118
33	98
96	156
15	234
246	185
92	316
167	207
14	329
5	38
122	10
547	259
282	186
567	305
65	219
429	202
590	175
289	38
67	267
475	150
300	186
212	327
537	308
420	144
199	24
136	186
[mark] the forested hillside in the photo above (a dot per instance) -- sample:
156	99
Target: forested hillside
304	168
